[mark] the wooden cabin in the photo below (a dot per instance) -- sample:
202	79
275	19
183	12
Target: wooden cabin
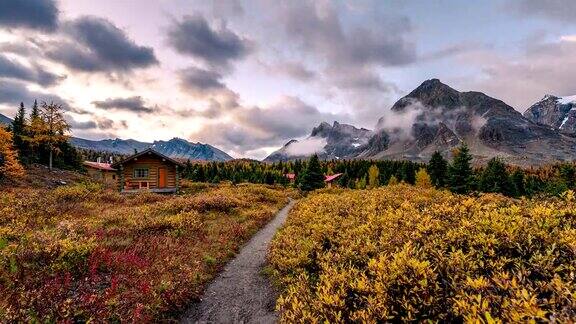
148	171
101	171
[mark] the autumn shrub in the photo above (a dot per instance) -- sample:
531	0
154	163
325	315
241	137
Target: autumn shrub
77	192
82	253
403	253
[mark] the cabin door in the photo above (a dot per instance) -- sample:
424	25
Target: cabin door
161	177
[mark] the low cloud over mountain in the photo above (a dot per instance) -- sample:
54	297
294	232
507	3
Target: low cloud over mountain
436	117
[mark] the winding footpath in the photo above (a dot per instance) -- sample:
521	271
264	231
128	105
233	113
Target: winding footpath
241	293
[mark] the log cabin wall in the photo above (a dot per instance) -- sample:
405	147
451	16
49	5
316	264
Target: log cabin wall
152	163
109	177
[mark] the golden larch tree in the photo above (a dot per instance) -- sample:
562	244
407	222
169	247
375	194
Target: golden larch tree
9	165
373	176
423	179
49	129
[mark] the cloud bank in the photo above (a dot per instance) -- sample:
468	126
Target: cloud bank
215	45
306	146
97	45
134	104
33	14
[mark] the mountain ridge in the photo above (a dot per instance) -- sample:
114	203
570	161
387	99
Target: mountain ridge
175	148
440	118
4	120
328	141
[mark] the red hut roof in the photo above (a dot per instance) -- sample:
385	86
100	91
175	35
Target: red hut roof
99	166
290	176
330	178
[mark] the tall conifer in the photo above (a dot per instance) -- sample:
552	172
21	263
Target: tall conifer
312	177
460	171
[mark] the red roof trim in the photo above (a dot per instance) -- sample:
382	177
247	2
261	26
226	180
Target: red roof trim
99	166
330	178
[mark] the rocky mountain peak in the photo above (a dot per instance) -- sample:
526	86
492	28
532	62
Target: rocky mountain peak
549	97
554	111
445	117
290	142
430	93
321	130
342	140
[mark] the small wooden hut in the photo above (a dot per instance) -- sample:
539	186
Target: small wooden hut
101	171
148	171
329	179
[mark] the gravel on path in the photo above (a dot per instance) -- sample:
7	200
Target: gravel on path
241	293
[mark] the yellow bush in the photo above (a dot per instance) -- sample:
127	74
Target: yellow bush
404	253
77	192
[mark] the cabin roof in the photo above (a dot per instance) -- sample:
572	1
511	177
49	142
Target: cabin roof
327	178
330	178
99	166
146	152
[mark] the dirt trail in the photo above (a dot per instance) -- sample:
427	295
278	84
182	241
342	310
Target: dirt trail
241	293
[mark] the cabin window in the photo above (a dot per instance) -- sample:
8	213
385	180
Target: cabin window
140	173
113	177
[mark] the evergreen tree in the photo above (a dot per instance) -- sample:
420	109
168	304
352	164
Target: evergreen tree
312	177
518	182
19	132
533	185
495	178
68	157
568	175
35	111
438	170
373	177
408	172
281	179
343	180
188	169
460	171
423	179
34	123
268	178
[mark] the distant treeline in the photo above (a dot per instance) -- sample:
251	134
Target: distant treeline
458	176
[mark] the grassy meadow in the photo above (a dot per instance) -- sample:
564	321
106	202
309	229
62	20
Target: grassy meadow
402	253
85	253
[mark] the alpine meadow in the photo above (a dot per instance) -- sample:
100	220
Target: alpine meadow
302	161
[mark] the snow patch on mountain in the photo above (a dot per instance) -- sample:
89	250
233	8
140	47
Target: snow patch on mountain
567	100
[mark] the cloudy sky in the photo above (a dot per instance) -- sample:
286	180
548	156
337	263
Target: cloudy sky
247	76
